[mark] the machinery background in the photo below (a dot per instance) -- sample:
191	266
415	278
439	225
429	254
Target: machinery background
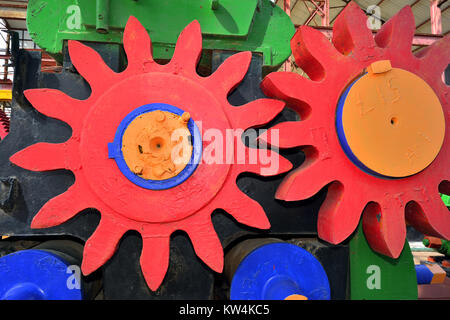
228	28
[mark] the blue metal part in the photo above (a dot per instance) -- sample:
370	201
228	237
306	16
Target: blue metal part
115	149
37	275
277	270
424	274
343	140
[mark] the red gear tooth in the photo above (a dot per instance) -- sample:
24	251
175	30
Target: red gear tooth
397	34
430	216
263	162
351	34
3	132
63	207
264	110
101	245
434	60
100	184
36	157
270	169
306	180
245	210
138	46
314	53
187	50
339	215
56	104
296	90
91	66
225	80
384	228
303	136
206	243
155	260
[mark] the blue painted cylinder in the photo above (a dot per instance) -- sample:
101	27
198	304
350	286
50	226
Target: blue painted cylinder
38	275
424	275
279	287
24	291
276	271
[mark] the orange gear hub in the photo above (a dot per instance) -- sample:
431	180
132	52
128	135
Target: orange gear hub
150	141
390	122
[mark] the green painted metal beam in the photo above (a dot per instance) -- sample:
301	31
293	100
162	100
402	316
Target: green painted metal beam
254	25
377	277
102	16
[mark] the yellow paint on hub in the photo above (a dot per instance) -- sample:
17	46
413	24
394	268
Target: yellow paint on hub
296	297
393	121
156	145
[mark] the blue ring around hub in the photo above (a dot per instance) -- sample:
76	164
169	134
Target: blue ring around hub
275	271
342	138
37	275
115	149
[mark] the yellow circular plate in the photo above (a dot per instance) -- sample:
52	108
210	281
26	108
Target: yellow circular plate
393	121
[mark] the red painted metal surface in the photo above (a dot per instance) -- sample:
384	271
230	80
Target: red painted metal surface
384	204
100	184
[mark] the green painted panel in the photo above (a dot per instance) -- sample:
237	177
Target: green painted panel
255	25
377	277
446	199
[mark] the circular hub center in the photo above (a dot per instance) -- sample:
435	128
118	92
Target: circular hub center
156	145
390	122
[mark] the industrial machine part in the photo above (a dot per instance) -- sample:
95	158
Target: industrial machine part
248	25
430	273
49	271
376	277
35	189
143	189
440	245
271	269
366	130
95	134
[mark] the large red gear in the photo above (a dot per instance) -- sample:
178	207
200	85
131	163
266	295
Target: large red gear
99	183
331	67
